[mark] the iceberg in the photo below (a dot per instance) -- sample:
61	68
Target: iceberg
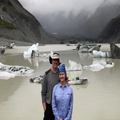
94	67
74	66
99	54
16	70
99	66
29	52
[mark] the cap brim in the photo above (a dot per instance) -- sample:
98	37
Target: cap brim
55	58
50	60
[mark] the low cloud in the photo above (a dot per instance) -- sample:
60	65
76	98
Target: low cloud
44	7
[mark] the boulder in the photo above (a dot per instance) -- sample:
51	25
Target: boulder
115	51
2	50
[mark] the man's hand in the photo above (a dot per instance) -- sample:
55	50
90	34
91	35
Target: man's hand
44	106
68	84
60	119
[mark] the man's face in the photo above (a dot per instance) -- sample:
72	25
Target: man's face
55	63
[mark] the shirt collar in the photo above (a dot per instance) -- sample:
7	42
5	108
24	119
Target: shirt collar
61	85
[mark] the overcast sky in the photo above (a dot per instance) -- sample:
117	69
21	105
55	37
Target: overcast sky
52	6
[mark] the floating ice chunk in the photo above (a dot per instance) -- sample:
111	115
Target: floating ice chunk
94	67
98	54
6	75
74	66
1	64
17	70
78	81
26	53
33	47
103	54
99	66
37	79
89	48
107	64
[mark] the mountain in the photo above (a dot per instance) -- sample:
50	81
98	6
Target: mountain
85	23
112	32
18	24
62	24
102	16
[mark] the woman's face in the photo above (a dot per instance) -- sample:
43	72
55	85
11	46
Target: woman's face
62	77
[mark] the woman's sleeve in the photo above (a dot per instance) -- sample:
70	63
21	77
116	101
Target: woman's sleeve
54	107
70	107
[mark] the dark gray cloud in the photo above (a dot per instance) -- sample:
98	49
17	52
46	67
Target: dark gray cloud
54	6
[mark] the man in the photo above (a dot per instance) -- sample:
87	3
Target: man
50	79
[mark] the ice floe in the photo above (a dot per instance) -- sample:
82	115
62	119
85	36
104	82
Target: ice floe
16	70
88	48
99	66
98	54
6	75
37	79
74	66
78	81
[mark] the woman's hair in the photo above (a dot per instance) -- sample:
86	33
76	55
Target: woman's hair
66	78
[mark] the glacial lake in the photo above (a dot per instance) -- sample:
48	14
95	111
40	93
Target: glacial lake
99	99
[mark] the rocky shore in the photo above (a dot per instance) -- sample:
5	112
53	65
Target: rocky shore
4	42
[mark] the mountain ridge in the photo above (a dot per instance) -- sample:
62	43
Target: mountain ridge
111	33
18	24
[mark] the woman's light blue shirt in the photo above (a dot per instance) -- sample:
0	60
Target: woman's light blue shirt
62	102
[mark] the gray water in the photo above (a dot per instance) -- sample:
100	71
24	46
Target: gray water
99	99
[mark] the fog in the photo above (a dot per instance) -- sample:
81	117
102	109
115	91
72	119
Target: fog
71	17
39	7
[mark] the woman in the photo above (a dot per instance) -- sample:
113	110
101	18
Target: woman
62	97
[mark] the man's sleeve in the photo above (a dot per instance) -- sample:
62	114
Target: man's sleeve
44	88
